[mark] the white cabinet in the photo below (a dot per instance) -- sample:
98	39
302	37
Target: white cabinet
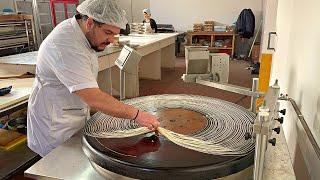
220	66
197	59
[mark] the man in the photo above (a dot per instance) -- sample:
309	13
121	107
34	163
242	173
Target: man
148	19
67	68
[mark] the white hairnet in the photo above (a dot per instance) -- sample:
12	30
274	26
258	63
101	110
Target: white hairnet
104	11
147	11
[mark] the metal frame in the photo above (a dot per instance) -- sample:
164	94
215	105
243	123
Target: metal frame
262	128
36	18
122	85
24	37
65	4
303	123
265	121
27	33
230	88
255	86
269	41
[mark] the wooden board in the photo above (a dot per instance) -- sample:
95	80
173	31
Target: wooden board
9	139
15	17
16	96
20	91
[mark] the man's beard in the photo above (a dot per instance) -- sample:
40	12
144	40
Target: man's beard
89	37
96	48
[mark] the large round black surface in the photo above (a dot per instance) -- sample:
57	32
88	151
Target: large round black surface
152	157
155	157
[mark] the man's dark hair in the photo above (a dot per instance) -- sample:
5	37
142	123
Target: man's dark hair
85	17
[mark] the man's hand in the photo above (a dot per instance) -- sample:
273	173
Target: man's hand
148	120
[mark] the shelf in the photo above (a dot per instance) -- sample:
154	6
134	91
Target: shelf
16	32
220	48
12	46
211	48
213	36
212	33
6	37
15	17
9	42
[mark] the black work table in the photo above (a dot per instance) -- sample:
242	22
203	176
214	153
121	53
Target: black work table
16	159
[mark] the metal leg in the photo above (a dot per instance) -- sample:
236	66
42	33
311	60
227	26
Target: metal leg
255	84
261	146
27	33
261	141
122	85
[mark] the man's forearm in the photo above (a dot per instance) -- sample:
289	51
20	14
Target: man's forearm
107	104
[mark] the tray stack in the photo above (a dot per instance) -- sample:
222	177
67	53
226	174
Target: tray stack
138	28
197	27
208	26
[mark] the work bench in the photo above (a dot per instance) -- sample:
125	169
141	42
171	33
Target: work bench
157	51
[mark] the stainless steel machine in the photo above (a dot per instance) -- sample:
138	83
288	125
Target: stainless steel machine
151	157
201	63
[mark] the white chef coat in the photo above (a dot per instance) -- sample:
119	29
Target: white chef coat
65	64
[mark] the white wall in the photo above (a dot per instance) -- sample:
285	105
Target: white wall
269	25
183	13
136	14
6	3
296	64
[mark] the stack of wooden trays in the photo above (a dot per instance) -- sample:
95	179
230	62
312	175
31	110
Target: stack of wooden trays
208	26
197	27
137	28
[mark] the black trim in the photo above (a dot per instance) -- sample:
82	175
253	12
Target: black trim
22	168
135	171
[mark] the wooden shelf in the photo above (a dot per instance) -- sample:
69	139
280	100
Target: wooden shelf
213	37
15	17
220	48
212	33
18	34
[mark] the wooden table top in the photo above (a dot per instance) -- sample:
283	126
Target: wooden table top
21	89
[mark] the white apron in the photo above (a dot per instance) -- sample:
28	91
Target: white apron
58	114
65	64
